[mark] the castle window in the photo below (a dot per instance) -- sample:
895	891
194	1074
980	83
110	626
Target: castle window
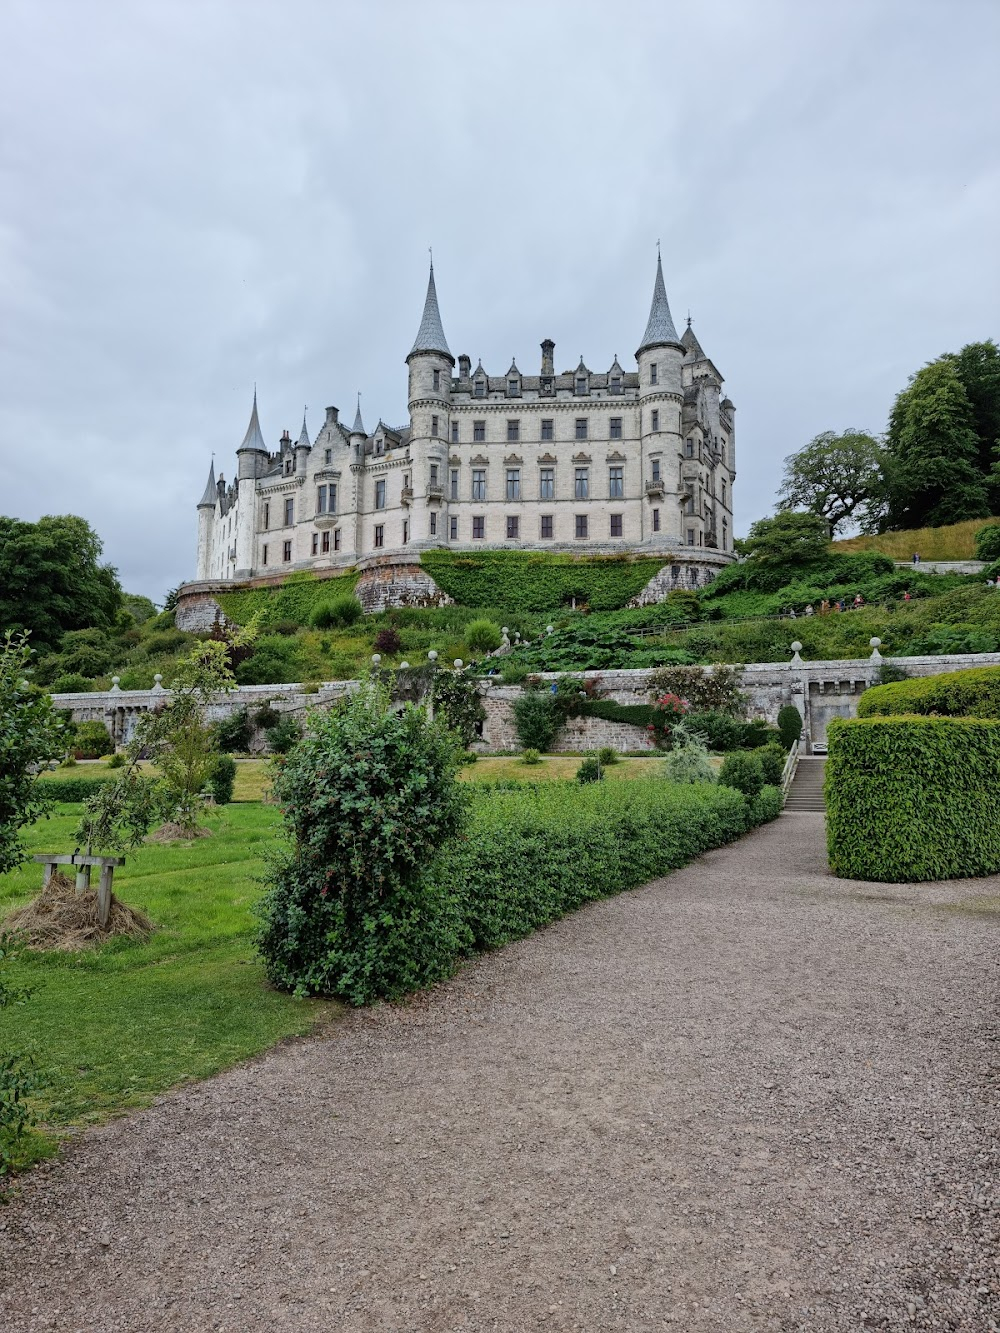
434	524
513	431
267	515
437	380
479	483
480	388
289	513
434	474
326	543
616	383
615	428
723	492
336	540
321	500
478	527
616	483
689	505
379	534
547	484
315	543
333	500
328	457
286	551
652	372
263	554
513	388
513	483
616	525
454	432
454	484
547	432
288	466
581	527
581	489
546	384
654	420
725	531
581	428
434	424
689	448
453	527
513	527
656	520
478	432
546	528
581	384
656	469
406	530
690	536
380	494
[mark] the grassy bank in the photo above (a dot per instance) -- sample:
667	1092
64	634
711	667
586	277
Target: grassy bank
955	542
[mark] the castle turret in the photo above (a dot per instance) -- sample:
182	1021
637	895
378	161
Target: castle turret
252	453
430	364
206	517
252	460
661	399
302	448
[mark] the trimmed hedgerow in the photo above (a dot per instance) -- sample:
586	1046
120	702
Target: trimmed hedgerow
974	693
75	789
789	725
912	798
539	582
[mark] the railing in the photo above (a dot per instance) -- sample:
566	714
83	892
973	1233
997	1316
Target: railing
655	487
788	772
435	493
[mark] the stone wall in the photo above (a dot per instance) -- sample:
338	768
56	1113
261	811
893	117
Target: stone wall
391	582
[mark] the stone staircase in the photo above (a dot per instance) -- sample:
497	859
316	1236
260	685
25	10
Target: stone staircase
805	795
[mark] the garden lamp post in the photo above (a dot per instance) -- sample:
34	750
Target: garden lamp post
432	657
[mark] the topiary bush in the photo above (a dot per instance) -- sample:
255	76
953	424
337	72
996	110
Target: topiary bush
973	693
789	725
337	613
771	758
742	771
369	796
988	542
223	780
910	799
483	636
766	805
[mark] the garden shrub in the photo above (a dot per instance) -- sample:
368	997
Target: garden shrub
742	770
483	636
164	641
71	684
789	725
91	741
337	613
530	757
284	735
222	780
233	733
590	770
607	756
988	542
116	761
456	697
721	731
536	719
73	789
772	761
387	640
266	716
972	693
890	672
368	797
766	805
688	761
718	690
912	798
276	660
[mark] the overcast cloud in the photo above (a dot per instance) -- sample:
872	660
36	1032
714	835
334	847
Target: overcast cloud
196	196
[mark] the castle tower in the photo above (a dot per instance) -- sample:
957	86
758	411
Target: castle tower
206	518
430	364
252	460
302	449
660	429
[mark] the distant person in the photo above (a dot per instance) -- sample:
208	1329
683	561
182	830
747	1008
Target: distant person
998	581
916	557
906	595
792	613
824	607
809	609
859	602
840	603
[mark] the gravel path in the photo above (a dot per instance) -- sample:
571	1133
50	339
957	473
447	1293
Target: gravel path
747	1096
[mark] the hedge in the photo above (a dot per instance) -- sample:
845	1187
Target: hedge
973	693
74	789
912	798
293	601
530	581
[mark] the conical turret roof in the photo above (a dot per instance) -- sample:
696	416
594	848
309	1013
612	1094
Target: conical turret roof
303	441
430	336
253	439
660	327
211	490
690	342
359	426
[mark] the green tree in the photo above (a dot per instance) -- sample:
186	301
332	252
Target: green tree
978	367
931	474
788	538
836	476
31	733
51	579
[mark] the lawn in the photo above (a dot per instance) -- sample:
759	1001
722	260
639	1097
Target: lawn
114	1027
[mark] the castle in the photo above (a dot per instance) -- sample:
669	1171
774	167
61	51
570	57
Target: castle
618	461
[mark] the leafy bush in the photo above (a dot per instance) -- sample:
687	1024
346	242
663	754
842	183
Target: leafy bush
166	641
537	718
913	798
369	796
456	697
71	684
233	733
718	690
771	758
116	761
91	741
742	771
284	735
223	780
988	542
688	761
973	693
721	731
387	640
73	789
31	733
590	770
766	805
18	1077
483	636
530	757
889	673
266	716
276	661
337	613
789	725
607	756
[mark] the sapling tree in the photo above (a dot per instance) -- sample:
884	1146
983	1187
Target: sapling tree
31	733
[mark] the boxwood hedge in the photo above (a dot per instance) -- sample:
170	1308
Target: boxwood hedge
913	798
974	693
75	789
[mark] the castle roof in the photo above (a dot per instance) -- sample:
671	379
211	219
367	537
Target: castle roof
660	326
211	490
253	439
303	440
691	344
359	426
430	336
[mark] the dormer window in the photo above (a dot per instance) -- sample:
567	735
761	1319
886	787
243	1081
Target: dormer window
581	384
546	384
379	446
513	387
288	466
480	388
616	383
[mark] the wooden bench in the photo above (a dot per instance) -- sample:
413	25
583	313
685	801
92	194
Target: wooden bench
83	865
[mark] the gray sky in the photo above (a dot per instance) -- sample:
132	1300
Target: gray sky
198	194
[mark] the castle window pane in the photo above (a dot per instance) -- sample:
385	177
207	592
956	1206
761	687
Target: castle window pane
434	424
656	520
479	483
547	484
581	527
289	513
652	372
513	483
513	431
581	428
513	527
615	431
654	420
286	551
478	526
454	484
478	431
546	529
454	432
616	482
547	432
582	484
434	524
379	534
326	543
321	500
616	525
380	494
453	527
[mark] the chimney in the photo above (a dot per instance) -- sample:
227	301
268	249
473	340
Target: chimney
286	439
548	357
331	416
464	367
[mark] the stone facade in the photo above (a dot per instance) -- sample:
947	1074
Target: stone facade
577	460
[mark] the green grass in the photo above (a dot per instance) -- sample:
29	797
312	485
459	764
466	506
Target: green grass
111	1028
955	542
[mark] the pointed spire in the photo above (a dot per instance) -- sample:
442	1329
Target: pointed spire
359	426
303	441
660	328
430	335
690	343
211	491
253	439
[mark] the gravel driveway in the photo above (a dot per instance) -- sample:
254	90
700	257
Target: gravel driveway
747	1096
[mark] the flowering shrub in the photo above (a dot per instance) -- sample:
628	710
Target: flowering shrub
668	710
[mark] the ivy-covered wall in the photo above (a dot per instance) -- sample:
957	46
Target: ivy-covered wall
537	581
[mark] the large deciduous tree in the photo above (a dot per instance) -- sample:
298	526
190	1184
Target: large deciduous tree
786	539
931	474
52	579
978	367
835	476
